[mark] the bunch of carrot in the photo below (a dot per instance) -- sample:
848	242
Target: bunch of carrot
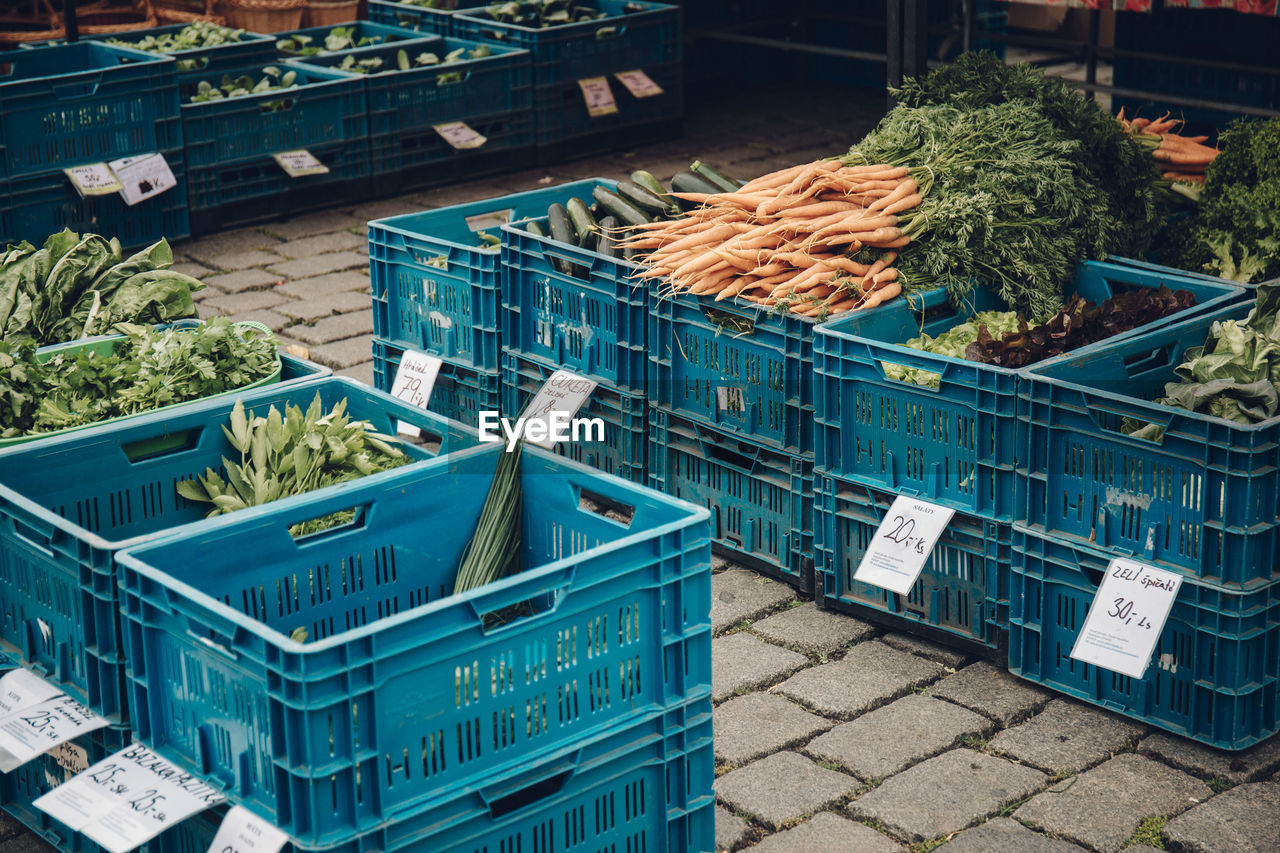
787	239
1181	158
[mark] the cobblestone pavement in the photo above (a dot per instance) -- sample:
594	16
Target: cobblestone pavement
832	736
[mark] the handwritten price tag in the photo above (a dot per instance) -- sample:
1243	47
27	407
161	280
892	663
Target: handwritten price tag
297	164
1126	617
598	96
460	135
144	177
902	544
638	83
242	831
93	179
414	381
562	392
35	717
128	798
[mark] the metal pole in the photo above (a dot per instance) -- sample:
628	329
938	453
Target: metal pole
893	44
1091	51
69	20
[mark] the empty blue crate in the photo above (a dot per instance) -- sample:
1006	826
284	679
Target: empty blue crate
962	592
80	103
69	504
623	447
460	393
574	308
201	63
1192	493
734	365
436	284
760	499
405	694
1213	675
956	443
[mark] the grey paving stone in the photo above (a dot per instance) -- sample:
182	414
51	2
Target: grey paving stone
751	726
731	830
782	788
342	354
273	321
743	662
241	240
1102	807
892	738
359	372
1006	835
946	793
242	259
235	282
192	269
1067	737
206	311
868	676
943	655
1249	765
809	629
28	842
9	826
334	241
992	691
319	264
335	328
248	300
388	207
315	307
1245	819
326	285
739	594
463	193
827	832
313	223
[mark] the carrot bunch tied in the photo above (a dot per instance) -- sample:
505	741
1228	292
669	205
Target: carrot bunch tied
788	240
1182	159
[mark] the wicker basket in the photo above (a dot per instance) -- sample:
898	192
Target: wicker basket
42	23
100	19
263	16
330	13
187	12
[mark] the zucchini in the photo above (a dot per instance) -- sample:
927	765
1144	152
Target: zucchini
688	182
584	224
649	182
609	237
646	201
562	232
616	205
715	176
535	228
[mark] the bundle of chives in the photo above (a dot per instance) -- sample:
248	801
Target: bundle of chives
494	550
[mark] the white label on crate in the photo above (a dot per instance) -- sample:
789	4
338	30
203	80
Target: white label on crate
297	164
128	798
142	178
21	689
34	729
730	399
415	378
242	831
93	179
638	83
489	221
563	392
902	544
460	135
598	96
1126	617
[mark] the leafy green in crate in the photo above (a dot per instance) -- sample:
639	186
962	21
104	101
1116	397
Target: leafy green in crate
543	13
338	39
272	79
199	34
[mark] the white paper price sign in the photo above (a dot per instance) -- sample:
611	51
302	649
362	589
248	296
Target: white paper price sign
242	831
93	179
460	135
35	717
143	177
638	83
560	397
128	798
297	164
1126	617
415	379
598	96
902	544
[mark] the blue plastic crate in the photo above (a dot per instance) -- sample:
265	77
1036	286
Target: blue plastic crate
419	18
325	108
562	117
962	592
201	63
80	103
405	694
378	35
1213	675
625	445
435	288
591	318
760	499
35	206
733	365
69	504
1201	500
622	41
956	444
1166	270
648	785
460	393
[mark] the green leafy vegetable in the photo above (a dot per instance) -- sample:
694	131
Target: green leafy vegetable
199	34
273	79
543	13
494	550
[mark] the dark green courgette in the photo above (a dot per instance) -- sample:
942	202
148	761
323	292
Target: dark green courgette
649	182
609	236
688	182
715	176
645	200
562	232
616	205
584	224
535	228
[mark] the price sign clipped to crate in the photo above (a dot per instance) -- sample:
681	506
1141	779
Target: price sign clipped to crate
598	96
563	394
638	83
300	163
1126	617
460	135
36	717
128	798
242	831
135	179
902	544
93	179
415	379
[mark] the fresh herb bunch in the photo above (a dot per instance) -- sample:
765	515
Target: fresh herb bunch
337	39
146	370
292	454
494	550
80	285
1235	232
272	80
198	34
